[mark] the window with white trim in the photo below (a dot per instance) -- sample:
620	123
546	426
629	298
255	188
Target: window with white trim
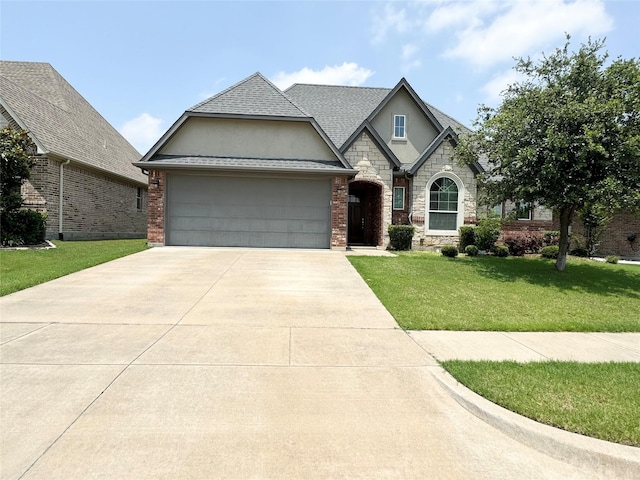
399	126
398	198
443	205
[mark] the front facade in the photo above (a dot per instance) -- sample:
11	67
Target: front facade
311	167
84	178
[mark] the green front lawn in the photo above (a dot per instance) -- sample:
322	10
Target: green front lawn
600	400
21	269
426	291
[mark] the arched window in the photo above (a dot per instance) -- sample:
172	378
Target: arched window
445	204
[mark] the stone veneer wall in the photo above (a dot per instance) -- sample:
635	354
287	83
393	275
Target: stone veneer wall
373	166
441	160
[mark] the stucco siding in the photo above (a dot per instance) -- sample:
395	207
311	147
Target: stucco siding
419	131
248	139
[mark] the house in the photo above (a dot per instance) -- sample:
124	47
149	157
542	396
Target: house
314	166
84	179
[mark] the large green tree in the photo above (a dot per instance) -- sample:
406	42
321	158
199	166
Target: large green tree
16	160
565	136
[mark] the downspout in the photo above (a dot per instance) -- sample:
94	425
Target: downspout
61	199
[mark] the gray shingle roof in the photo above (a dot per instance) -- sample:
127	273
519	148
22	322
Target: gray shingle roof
339	110
62	121
254	95
256	164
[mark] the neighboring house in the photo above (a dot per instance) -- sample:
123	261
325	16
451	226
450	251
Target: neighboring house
312	167
84	179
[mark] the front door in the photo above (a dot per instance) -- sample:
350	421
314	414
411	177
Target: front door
356	221
365	214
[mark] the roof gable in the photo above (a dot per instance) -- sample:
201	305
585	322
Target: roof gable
62	121
255	96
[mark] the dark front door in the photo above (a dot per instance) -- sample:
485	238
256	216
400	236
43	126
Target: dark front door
365	213
356	221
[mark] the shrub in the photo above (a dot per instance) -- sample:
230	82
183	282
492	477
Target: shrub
401	236
520	243
487	233
550	251
467	236
612	259
501	251
471	250
449	251
579	252
23	227
551	237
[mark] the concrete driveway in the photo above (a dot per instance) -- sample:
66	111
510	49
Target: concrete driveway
200	363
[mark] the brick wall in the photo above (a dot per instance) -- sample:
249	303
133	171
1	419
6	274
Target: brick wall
614	240
339	199
95	205
401	217
155	223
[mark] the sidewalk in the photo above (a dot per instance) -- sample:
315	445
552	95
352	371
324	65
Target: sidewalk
530	346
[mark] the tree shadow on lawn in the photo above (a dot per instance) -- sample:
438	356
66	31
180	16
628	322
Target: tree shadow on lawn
578	276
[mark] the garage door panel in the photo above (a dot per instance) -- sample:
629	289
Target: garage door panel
252	212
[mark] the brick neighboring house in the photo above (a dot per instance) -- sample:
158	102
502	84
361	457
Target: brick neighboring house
84	178
315	166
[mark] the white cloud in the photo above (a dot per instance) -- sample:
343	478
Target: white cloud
408	56
488	32
498	84
143	131
391	18
525	26
345	74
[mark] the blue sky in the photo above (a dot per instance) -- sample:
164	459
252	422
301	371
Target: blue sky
142	63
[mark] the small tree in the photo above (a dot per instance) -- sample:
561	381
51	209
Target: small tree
16	160
566	136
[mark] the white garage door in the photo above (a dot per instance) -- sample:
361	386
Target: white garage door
248	212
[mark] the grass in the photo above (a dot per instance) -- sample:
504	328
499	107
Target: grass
600	400
426	291
20	269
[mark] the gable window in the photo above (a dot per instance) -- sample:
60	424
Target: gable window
398	198
399	126
445	204
523	211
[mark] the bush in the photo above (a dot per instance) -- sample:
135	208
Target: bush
579	252
551	237
449	251
501	251
401	236
471	250
520	243
487	233
23	227
550	251
612	259
467	236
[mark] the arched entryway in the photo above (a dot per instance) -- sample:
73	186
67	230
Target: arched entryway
365	214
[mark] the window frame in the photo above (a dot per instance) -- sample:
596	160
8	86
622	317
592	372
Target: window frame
521	206
404	193
460	205
139	195
403	126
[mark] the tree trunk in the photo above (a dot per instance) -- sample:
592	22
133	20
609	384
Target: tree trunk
565	220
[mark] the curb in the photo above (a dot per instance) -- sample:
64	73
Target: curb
609	459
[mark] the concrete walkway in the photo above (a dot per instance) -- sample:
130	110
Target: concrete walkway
231	363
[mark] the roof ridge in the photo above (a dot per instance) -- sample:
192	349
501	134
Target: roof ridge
219	94
335	86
